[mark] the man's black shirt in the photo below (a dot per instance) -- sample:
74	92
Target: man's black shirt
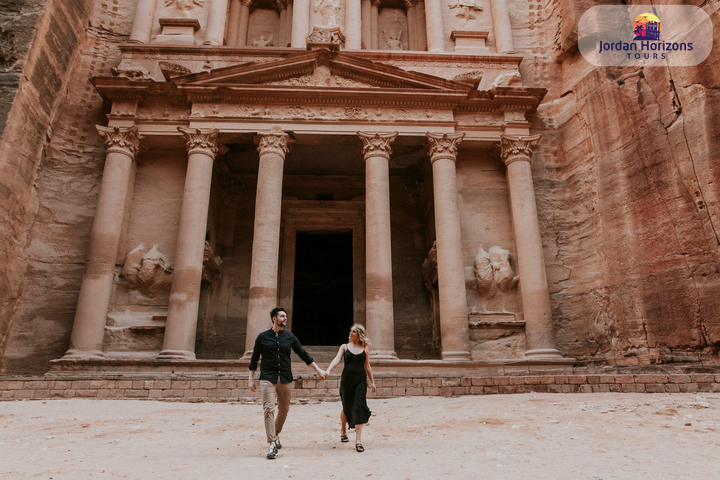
275	352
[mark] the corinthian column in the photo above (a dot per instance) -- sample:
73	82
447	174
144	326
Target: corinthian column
272	147
516	152
282	35
374	27
233	23
216	22
353	25
378	246
243	23
88	331
142	24
300	23
365	8
434	24
179	341
454	331
421	26
501	26
412	24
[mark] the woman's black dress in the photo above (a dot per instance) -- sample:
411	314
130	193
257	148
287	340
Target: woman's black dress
353	388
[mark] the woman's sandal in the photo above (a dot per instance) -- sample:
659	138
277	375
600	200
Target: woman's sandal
359	447
344	438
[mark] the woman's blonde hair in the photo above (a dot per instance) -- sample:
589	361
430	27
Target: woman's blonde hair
364	340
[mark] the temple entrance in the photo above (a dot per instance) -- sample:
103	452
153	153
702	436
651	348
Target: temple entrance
322	311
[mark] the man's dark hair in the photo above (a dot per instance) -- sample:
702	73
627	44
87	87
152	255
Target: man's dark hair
274	312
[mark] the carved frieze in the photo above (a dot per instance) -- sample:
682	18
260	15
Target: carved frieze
326	36
473	76
313	81
133	72
315	112
120	140
185	5
465	9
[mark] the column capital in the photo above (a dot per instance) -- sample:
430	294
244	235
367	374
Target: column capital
280	5
201	141
247	3
443	146
514	148
377	144
120	140
273	143
410	4
375	3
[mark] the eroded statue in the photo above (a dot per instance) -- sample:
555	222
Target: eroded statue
493	272
185	5
328	12
393	39
261	41
150	272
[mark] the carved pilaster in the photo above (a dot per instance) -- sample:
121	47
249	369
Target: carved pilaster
120	140
201	141
514	148
377	144
443	146
273	143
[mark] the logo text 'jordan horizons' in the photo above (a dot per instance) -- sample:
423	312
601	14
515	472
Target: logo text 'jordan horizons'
646	29
633	35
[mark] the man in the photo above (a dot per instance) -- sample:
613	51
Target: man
275	374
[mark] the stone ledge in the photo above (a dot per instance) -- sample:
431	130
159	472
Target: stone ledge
209	388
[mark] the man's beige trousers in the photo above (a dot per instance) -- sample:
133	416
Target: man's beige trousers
275	394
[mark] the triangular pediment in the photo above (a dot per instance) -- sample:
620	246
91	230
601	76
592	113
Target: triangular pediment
321	69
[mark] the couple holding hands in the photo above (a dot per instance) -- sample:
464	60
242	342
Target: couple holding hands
274	346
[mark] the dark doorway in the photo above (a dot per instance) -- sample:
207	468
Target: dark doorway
323	295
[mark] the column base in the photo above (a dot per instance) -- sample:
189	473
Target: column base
383	355
176	354
74	354
543	353
458	356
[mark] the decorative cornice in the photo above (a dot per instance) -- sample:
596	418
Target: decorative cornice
201	141
377	144
443	147
120	140
514	148
273	143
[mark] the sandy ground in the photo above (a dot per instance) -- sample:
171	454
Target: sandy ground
535	436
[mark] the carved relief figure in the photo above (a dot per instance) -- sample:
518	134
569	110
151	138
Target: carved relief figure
507	80
185	5
466	9
393	39
493	272
263	42
328	12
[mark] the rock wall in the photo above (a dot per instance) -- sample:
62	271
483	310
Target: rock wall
39	42
51	184
626	183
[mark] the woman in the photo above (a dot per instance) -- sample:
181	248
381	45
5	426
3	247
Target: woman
353	384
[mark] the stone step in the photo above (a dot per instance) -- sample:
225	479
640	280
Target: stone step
322	355
233	386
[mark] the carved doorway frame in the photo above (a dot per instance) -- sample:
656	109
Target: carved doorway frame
313	215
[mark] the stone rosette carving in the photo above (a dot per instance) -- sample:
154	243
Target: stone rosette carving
443	146
377	144
514	148
276	143
493	271
120	140
201	141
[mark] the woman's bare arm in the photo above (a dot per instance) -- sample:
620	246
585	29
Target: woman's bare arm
368	369
336	360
